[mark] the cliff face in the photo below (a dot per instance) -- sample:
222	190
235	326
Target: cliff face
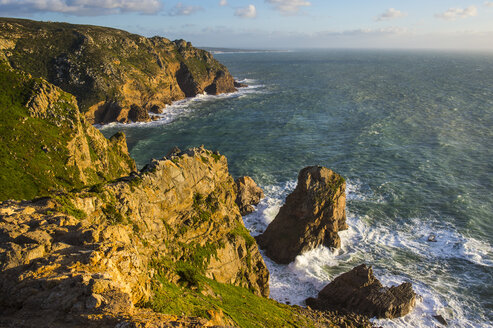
115	75
99	249
46	143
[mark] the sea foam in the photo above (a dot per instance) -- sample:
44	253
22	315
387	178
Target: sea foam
373	243
187	106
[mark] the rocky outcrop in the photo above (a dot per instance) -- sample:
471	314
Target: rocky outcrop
312	215
48	145
358	291
96	251
248	194
112	73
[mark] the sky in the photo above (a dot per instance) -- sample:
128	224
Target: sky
282	24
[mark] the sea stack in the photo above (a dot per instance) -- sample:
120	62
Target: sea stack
312	216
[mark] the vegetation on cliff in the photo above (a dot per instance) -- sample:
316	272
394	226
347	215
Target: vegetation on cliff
46	144
108	246
115	75
170	238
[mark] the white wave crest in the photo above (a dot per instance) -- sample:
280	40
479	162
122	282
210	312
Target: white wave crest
187	106
372	243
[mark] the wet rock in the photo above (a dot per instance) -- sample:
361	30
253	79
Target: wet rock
441	319
358	291
432	238
240	85
248	194
312	215
138	114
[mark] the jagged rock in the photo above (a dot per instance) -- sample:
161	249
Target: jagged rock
138	114
223	83
248	194
110	70
91	251
312	215
240	85
358	291
440	319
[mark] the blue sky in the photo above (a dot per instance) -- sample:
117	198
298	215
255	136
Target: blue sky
282	24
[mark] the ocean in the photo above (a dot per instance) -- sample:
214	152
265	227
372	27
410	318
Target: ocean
412	133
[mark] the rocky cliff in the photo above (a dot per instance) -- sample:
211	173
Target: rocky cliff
47	144
99	249
166	238
115	75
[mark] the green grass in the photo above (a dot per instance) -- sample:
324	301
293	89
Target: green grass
242	306
66	206
34	157
32	153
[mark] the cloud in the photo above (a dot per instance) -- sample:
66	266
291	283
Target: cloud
288	7
454	13
183	10
80	7
223	2
246	12
488	3
391	13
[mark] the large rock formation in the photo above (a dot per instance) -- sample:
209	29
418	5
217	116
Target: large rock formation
248	194
312	215
96	251
113	74
47	145
358	291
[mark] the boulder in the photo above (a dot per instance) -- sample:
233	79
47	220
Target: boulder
312	215
138	114
358	291
240	85
248	194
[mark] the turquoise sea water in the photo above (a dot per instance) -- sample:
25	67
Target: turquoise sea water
411	131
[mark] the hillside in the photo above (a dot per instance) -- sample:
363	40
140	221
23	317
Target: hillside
115	75
47	145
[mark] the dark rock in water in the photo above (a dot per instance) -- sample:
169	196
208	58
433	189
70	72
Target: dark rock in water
441	319
240	85
358	291
432	238
248	194
156	109
312	215
138	114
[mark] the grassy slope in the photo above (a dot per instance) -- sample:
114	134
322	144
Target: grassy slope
239	304
26	169
34	157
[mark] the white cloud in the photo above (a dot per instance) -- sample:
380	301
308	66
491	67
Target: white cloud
183	10
454	13
81	7
288	7
223	2
488	3
246	12
391	13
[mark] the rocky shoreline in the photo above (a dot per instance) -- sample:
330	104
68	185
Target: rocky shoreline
87	241
116	76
